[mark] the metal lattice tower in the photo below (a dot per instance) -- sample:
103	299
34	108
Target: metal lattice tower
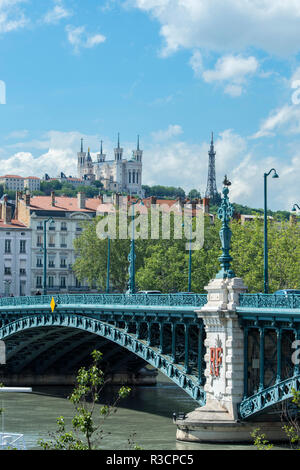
211	189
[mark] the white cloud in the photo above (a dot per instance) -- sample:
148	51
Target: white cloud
171	131
182	164
17	134
230	25
285	119
11	16
78	38
196	63
176	163
57	13
232	70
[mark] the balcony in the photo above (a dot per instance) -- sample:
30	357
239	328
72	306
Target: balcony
51	227
51	245
63	245
22	272
39	227
63	229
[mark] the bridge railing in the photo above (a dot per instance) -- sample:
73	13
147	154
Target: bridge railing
196	300
270	301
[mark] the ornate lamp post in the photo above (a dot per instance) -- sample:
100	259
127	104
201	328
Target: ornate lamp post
295	207
225	213
190	257
108	265
266	269
45	255
132	256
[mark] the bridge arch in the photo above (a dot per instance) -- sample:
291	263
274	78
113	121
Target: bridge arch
120	336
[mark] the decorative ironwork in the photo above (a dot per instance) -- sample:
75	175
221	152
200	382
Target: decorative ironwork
225	213
171	365
269	397
290	301
168	300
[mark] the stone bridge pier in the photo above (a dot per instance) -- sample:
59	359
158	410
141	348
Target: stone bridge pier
218	420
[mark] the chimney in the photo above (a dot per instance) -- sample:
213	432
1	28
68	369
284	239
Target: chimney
27	198
81	200
100	197
52	198
153	200
205	203
116	199
6	211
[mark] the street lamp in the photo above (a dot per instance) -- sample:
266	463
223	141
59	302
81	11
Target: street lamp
108	265
131	256
190	258
45	256
266	271
294	208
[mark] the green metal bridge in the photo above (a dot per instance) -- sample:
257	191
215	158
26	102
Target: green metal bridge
163	330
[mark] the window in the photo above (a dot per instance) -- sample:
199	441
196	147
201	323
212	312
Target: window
51	240
39	227
22	246
39	281
51	263
22	272
63	263
39	262
50	281
63	282
63	241
77	283
7	270
63	226
39	240
22	287
7	246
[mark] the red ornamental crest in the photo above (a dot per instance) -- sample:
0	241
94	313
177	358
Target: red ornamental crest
215	361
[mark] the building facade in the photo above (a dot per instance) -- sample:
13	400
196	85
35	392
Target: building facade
15	251
19	183
65	225
118	175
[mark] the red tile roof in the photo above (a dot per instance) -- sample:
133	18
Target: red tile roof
12	176
63	203
13	224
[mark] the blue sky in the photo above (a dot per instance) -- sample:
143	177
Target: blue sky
169	70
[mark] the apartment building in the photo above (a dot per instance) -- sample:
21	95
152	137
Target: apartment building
19	183
63	217
15	251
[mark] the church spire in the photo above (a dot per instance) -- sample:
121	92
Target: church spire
138	143
81	146
118	150
101	151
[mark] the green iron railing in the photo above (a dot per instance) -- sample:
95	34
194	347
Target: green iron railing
269	301
193	300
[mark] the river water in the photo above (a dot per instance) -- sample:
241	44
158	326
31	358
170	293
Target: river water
147	412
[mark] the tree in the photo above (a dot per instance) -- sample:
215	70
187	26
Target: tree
291	426
91	264
194	194
86	429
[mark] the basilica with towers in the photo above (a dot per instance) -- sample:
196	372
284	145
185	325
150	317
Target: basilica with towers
118	174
